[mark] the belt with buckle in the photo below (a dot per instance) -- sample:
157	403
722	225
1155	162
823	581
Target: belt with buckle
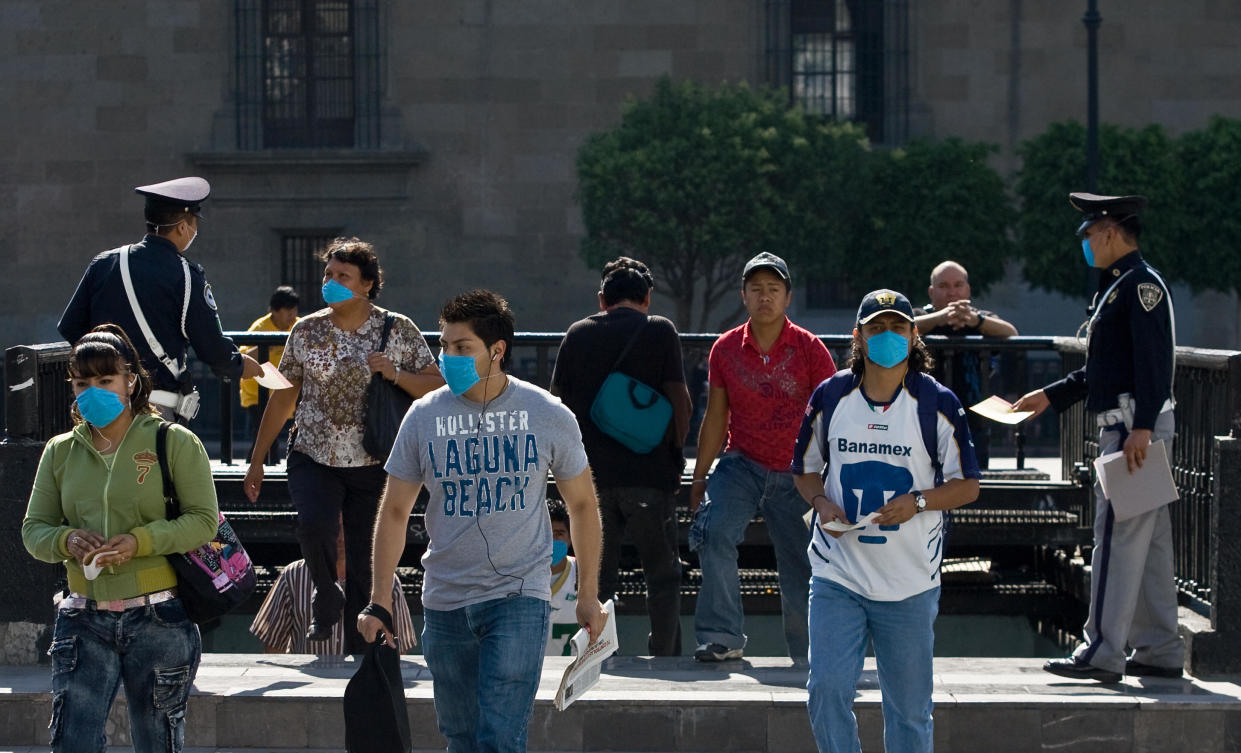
164	398
78	601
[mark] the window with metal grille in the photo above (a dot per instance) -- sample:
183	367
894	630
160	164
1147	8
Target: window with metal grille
831	293
301	268
307	74
843	59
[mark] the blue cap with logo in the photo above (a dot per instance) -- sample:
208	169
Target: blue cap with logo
884	301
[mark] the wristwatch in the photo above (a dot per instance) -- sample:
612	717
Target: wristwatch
980	316
919	502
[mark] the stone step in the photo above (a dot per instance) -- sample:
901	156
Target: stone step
293	703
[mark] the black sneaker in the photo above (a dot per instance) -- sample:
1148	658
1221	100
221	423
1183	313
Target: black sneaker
716	652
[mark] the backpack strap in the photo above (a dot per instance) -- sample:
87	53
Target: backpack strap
172	507
837	387
928	420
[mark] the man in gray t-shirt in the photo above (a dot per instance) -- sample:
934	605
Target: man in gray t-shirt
483	446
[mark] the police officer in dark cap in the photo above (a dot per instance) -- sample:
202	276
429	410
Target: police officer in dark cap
1127	381
161	300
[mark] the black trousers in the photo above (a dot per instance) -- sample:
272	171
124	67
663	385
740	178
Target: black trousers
321	494
650	516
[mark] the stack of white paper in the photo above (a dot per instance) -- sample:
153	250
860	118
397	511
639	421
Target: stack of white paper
583	672
1147	488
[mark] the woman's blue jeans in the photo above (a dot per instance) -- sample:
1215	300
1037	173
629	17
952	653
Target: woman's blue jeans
154	650
485	662
903	634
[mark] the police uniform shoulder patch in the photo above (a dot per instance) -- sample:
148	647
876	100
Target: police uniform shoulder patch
1149	295
210	299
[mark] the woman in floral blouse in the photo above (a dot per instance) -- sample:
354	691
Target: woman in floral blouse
329	358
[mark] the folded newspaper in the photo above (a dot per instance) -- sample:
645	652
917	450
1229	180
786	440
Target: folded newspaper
583	672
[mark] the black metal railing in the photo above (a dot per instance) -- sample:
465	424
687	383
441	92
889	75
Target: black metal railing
1208	394
1208	405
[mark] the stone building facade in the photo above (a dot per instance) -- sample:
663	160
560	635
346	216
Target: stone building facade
445	131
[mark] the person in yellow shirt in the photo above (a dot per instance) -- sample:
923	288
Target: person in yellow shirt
281	314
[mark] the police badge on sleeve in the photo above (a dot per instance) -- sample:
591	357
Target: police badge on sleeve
1149	295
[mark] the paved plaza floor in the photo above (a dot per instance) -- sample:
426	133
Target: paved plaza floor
283	702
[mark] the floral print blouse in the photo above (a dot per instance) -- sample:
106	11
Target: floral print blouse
331	365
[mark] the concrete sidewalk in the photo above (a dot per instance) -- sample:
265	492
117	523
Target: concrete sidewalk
280	702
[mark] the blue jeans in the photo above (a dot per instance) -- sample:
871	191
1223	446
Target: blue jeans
903	634
154	650
737	490
485	661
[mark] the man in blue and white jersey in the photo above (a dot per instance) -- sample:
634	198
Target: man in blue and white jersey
864	455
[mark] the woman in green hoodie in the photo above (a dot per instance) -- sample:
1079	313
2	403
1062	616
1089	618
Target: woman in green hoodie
98	507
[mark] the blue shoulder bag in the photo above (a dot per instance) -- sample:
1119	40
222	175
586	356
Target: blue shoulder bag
630	411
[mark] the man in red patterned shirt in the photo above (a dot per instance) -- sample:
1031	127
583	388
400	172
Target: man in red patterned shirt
762	375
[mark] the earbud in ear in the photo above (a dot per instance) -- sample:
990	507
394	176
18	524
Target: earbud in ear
495	356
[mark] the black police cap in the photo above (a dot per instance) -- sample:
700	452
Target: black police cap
178	195
1094	207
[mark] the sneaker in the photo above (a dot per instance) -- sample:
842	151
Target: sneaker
716	652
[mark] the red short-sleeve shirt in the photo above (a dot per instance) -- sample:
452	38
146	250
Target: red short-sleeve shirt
768	392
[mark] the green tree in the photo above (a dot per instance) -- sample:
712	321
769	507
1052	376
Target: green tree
1142	161
696	180
1209	227
925	203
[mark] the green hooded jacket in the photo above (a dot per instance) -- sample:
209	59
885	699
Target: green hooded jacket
75	488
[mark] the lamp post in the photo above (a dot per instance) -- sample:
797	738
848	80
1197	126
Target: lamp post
1091	20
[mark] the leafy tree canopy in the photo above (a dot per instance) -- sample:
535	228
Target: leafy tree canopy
696	180
1141	161
1209	227
926	203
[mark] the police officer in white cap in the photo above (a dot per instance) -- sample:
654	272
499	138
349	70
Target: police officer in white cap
161	300
1127	382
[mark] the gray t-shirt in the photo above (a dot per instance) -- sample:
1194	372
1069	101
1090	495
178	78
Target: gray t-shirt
485	468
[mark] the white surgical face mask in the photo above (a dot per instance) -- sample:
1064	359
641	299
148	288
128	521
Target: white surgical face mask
192	237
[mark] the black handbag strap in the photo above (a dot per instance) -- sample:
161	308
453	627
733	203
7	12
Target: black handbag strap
629	345
383	341
172	506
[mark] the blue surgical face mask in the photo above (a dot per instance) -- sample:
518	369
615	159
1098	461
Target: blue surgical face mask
560	549
887	349
98	406
1087	251
334	292
459	372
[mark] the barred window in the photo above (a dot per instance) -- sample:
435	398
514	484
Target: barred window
300	265
843	59
831	293
307	74
824	72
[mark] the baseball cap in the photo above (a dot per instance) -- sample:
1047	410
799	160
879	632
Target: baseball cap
884	301
766	261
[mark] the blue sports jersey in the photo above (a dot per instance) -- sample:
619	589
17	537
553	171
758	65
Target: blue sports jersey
874	453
